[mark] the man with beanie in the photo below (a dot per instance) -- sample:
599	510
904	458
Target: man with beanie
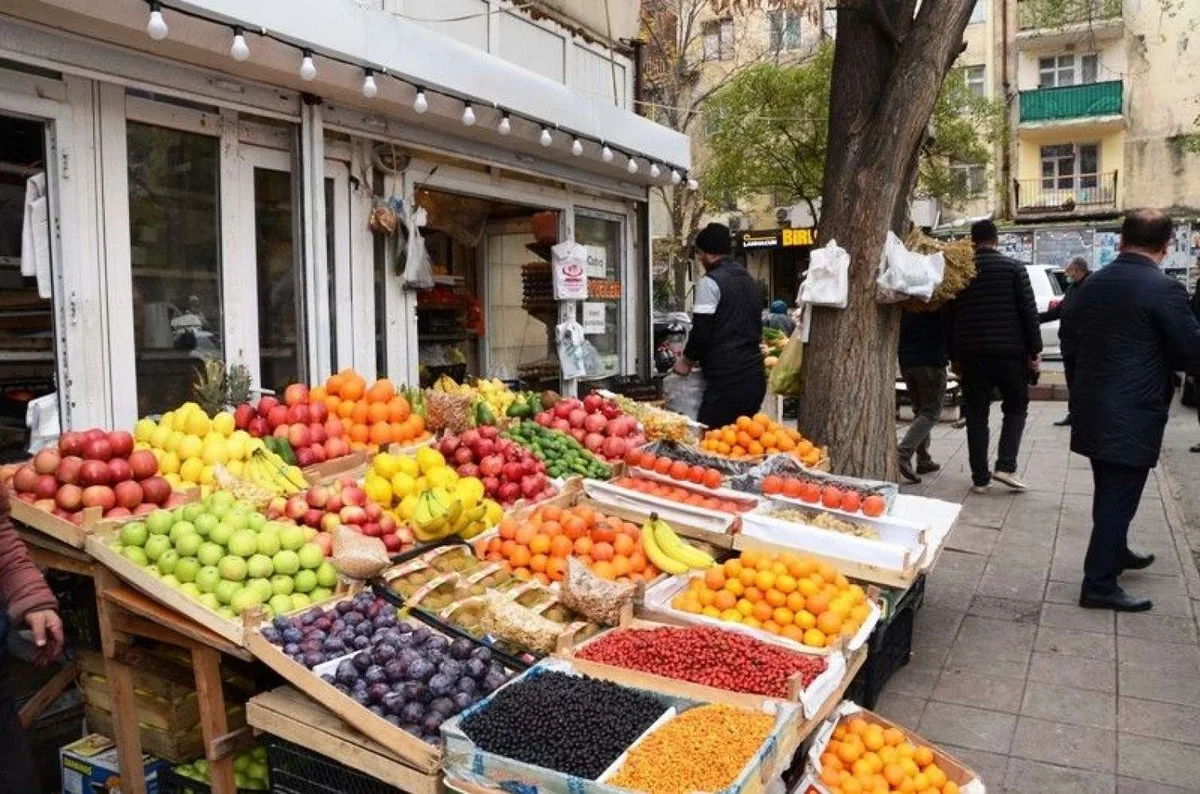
726	330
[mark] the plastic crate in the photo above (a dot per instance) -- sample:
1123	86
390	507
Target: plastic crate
77	607
295	770
170	782
889	649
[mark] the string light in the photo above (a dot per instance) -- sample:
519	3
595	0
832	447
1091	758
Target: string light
577	147
632	167
505	126
675	177
156	27
238	50
468	116
545	139
654	171
420	104
606	154
308	69
369	88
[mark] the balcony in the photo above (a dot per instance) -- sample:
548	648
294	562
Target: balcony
1043	106
1053	23
1084	194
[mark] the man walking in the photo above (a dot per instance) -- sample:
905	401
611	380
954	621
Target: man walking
923	366
1076	271
996	342
1139	331
726	333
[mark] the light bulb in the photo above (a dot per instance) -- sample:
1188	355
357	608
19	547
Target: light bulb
675	177
369	88
545	139
693	185
156	28
632	166
468	116
420	104
238	49
654	171
606	154
308	69
505	126
577	147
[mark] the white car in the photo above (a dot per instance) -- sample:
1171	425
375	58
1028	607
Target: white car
1049	283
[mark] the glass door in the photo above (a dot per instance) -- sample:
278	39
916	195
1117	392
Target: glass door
602	314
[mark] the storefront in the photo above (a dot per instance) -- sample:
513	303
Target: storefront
778	258
206	205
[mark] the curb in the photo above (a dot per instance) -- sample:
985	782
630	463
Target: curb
1168	487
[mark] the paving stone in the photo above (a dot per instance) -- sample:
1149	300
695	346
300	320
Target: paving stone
972	539
1032	777
904	710
983	691
967	726
1060	743
990	767
1166	657
963	660
1160	720
1059	592
1168	628
1129	785
1020	584
1070	704
967	562
1010	609
1148	684
1067	642
1073	616
1158	760
1053	668
914	679
1004	639
1155	587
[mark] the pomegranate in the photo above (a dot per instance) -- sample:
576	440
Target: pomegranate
46	461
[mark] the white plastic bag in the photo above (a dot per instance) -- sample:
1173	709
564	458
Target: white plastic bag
570	271
572	350
418	269
907	274
828	280
683	393
41	417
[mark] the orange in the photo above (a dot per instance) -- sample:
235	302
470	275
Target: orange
539	544
817	604
771	626
637	562
893	736
765	580
873	738
815	638
353	388
525	534
360	433
623	545
418	423
714	577
360	413
381	433
381	391
725	600
923	756
848	752
829	623
950	787
762	611
894	774
732	567
398	409
775	598
620	565
399	431
745	607
793	633
604	570
785	583
538	562
560	546
707	597
602	551
346	408
519	556
753	594
937	778
556	568
334	384
805	620
783	616
377	412
736	587
795	602
748	576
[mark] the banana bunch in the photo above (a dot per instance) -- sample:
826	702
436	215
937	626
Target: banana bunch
268	471
242	489
448	385
668	551
436	515
493	392
472	522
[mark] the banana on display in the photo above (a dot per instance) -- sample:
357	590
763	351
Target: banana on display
667	551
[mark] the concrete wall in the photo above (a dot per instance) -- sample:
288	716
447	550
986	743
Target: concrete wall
1111	62
1112	150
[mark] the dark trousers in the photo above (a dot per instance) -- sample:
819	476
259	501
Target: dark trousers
18	773
979	377
1118	489
1069	372
926	388
726	397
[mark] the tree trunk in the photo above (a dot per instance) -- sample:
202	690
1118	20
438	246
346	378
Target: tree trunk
888	68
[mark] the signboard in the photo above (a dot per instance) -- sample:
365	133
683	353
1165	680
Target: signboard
597	261
593	317
777	238
792	237
751	240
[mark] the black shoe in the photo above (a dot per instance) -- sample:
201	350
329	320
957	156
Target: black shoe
1194	448
1136	562
928	467
1118	601
906	471
1064	422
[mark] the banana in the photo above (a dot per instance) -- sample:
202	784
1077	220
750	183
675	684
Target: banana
674	546
661	559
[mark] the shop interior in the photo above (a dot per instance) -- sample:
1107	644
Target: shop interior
27	340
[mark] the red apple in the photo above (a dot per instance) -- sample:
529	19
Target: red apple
374	512
298	436
98	449
94	434
65	515
265	404
99	496
119	470
335	503
593	441
259	427
129	494
46	461
94	472
68	469
276	507
316	433
48	505
296	507
592	402
155	490
69	497
298	414
470	437
330	522
121	442
71	443
117	512
318	412
325	541
143	463
144	508
317	496
280	431
312	517
490	432
387	522
353	495
485	447
353	515
370	529
614	448
295	394
304	456
448	445
334	427
491	485
462	455
391	542
242	416
277	416
77	518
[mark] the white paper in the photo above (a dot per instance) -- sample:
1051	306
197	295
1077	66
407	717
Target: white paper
593	317
597	261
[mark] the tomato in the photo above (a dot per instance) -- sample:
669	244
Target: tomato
851	501
810	492
773	484
831	497
874	505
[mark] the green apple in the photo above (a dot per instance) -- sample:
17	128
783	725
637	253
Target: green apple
236	520
151	569
209	600
281	603
189	545
192	511
210	553
226	590
267	541
186	569
205	523
300	600
262	587
232	568
306	581
246	598
152	529
221	533
155	546
255	520
136	555
220	511
190	589
168	560
282	585
221	499
244	507
226	613
159	522
207	578
291	537
326	575
260	566
286	562
321	594
134	534
170	580
244	543
267	612
178	514
310	556
181	528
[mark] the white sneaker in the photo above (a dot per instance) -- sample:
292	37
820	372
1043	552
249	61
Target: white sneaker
979	488
1010	479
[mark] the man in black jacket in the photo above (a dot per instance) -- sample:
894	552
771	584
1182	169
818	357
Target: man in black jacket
996	341
726	333
1139	330
923	367
1076	270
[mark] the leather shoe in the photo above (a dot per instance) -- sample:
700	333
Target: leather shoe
906	471
1064	422
1118	601
928	467
1135	562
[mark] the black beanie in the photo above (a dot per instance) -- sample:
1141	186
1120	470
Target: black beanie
714	239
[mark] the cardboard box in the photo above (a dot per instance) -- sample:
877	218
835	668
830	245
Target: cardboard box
90	766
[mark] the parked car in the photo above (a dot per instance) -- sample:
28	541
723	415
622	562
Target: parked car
1049	284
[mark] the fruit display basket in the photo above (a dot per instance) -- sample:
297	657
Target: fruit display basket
352	465
465	759
786	466
701	523
810	699
694	456
92	519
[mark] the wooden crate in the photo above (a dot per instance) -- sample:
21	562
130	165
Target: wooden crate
75	535
286	713
352	465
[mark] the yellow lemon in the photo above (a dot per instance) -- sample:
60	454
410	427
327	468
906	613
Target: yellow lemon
235	467
470	490
386	465
167	420
173	440
223	423
441	477
407	464
173	479
191	469
403	484
191	407
407	505
158	438
158	454
378	490
494	512
429	459
198	424
215	453
143	429
189	447
206	475
235	448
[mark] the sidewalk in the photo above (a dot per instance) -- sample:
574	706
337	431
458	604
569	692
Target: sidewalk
1011	676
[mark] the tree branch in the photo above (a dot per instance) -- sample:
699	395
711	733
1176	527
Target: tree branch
880	17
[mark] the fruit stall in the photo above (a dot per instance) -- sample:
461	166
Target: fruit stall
381	589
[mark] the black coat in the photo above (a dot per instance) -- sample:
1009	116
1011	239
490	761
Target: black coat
1131	329
923	339
1062	312
996	315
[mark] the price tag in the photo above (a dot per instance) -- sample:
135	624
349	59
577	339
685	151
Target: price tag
597	261
593	317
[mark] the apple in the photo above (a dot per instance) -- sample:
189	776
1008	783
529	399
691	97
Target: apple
155	546
242	416
243	543
374	512
206	579
160	522
93	434
259	566
94	472
281	431
325	541
490	432
291	537
296	507
353	495
121	442
259	427
317	495
286	562
186	569
135	555
46	461
318	412
468	470
317	433
45	487
143	464
210	553
312	517
353	514
470	437
221	533
318	453
71	443
310	556
128	494
335	503
304	456
508	492
68	469
232	568
296	394
306	581
155	490
267	543
485	447
135	533
265	404
244	599
330	522
119	470
387	522
24	479
277	416
391	542
226	589
98	449
145	508
69	497
491	466
189	545
370	529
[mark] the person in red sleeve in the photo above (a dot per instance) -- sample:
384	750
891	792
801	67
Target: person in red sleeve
27	602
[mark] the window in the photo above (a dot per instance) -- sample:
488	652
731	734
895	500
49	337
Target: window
1066	166
785	30
978	12
972	177
974	75
1070	69
718	40
602	316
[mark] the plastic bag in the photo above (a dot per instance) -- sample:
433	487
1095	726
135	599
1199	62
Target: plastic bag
572	353
570	271
683	393
828	280
357	556
523	627
785	379
418	268
41	417
594	598
907	274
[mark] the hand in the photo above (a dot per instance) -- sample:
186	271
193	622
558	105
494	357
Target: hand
682	367
47	630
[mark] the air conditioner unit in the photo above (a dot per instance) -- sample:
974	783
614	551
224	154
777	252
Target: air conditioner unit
735	223
783	215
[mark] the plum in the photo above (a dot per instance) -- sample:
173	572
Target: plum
393	702
461	701
292	648
377	692
421	635
361	643
393	719
450	668
467	686
346	672
362	661
293	635
360	697
334	646
433	720
482	654
475	668
343	607
443	706
404	627
375	675
413	712
441	684
394	670
420	670
272	635
461	649
313	658
415	692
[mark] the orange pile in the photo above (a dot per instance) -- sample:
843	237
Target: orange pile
865	758
751	436
373	416
538	547
786	594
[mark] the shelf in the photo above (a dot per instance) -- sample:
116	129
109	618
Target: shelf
541	250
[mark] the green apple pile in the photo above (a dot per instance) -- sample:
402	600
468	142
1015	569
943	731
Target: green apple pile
223	553
249	770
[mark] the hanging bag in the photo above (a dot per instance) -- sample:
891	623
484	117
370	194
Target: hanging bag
828	280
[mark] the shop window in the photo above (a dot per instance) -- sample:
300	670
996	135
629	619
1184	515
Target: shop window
280	297
718	40
601	313
175	253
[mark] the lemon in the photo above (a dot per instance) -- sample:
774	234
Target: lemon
494	512
386	465
191	407
378	490
421	485
441	477
407	505
215	452
173	440
143	429
189	447
173	479
407	464
403	484
198	424
205	490
167	420
429	459
158	438
470	490
234	448
235	467
207	475
191	470
223	423
168	463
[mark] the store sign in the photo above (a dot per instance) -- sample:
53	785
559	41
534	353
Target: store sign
597	261
777	238
593	317
790	237
760	239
